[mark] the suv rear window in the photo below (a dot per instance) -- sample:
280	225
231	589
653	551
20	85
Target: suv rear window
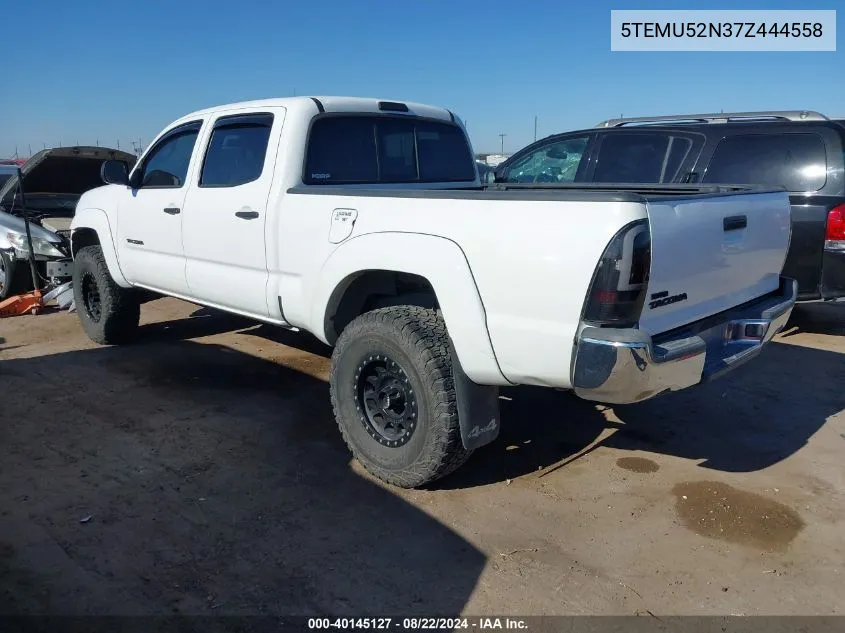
795	161
382	149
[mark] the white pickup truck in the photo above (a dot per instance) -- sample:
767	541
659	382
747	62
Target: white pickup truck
364	222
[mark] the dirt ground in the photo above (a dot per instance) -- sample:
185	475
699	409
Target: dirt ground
200	472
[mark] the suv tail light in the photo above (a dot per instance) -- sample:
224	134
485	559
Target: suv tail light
834	234
618	289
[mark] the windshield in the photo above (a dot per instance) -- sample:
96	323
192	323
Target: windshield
4	178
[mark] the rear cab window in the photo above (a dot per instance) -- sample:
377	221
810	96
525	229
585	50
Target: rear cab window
372	149
794	160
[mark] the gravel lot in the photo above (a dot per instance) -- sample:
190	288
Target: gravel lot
201	472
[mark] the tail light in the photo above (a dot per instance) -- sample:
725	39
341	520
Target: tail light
618	289
834	234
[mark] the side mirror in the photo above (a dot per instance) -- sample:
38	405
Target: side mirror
114	172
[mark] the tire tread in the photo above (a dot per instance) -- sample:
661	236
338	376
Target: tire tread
121	309
422	332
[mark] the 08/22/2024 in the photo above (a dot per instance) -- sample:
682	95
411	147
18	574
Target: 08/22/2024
414	624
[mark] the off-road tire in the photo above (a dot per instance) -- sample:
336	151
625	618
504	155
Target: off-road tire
119	311
415	339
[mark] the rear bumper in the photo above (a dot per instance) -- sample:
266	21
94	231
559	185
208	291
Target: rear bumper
833	274
620	366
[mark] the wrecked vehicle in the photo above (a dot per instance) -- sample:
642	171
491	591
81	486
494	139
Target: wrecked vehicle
53	181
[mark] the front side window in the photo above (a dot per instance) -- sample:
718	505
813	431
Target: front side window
554	163
236	151
166	166
640	157
797	162
384	149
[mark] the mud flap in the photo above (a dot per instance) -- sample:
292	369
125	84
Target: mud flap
478	409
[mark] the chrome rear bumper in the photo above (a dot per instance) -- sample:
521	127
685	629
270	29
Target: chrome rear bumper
620	366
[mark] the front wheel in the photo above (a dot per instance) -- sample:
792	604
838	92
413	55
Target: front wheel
109	314
12	276
394	397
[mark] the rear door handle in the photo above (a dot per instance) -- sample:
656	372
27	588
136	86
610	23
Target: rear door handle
734	223
172	210
247	215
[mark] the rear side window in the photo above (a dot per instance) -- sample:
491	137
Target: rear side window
236	151
381	149
640	158
795	161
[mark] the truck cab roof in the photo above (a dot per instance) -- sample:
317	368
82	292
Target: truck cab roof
333	104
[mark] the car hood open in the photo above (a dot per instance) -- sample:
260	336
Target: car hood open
62	170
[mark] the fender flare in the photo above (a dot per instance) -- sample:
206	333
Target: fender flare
439	260
98	221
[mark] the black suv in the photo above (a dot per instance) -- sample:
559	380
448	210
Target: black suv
801	151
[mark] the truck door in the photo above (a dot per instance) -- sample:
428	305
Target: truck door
226	210
149	223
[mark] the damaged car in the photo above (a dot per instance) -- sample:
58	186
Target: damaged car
52	180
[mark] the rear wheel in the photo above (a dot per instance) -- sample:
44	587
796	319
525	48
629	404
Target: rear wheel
109	314
394	395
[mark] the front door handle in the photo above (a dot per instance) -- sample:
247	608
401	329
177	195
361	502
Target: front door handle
172	210
247	215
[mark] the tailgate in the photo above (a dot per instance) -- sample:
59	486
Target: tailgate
712	252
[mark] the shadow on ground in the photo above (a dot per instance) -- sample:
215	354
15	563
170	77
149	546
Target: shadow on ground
817	318
178	477
749	420
201	322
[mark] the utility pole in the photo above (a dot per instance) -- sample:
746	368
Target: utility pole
535	127
502	136
30	149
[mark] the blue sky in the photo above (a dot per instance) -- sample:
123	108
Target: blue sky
87	71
